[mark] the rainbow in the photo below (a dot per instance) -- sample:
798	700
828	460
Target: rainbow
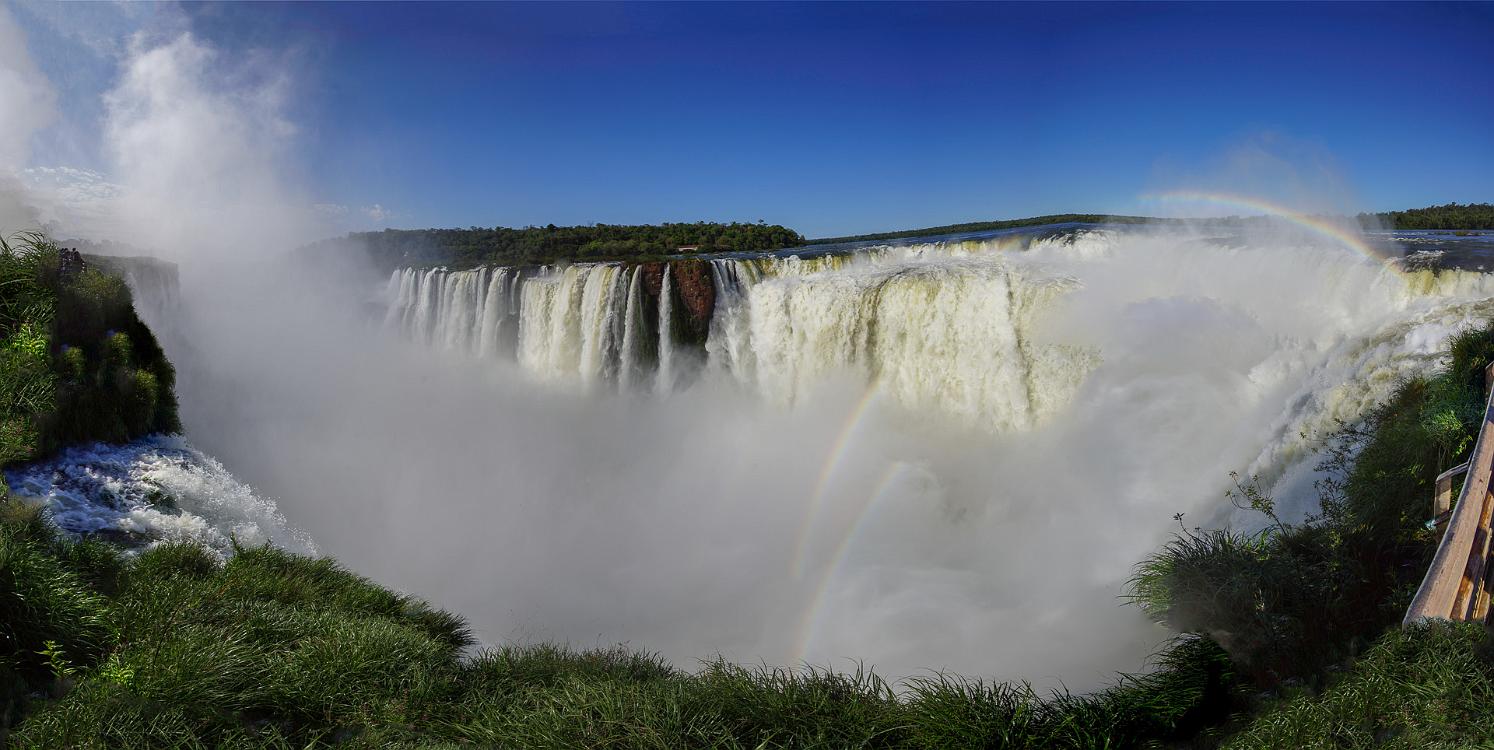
833	460
1342	233
810	622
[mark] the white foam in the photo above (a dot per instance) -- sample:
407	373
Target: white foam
158	489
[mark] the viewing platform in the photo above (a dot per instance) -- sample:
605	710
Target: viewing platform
1460	578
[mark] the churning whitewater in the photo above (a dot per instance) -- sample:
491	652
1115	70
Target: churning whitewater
935	455
159	489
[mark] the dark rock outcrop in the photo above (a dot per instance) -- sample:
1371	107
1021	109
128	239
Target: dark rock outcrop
694	295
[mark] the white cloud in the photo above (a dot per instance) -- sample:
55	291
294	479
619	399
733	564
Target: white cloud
73	202
377	213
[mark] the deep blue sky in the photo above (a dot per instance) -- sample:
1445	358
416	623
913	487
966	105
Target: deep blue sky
837	118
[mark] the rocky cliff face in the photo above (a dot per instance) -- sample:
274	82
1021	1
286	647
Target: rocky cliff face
694	295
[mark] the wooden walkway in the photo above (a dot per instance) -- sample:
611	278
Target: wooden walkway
1459	581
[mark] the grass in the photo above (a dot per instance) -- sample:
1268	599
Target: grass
271	649
1429	686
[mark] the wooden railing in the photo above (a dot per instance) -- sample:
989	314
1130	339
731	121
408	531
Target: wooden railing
1458	583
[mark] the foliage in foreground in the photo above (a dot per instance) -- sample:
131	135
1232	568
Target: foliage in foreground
1425	687
269	649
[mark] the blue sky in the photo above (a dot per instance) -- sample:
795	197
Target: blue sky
837	118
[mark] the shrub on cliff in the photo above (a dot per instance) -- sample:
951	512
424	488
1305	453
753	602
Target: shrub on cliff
76	363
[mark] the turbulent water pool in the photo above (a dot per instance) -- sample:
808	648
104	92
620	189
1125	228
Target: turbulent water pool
159	489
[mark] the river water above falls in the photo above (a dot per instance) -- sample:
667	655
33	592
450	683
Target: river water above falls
942	454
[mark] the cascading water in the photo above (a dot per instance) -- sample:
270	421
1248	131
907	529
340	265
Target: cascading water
667	374
158	489
939	325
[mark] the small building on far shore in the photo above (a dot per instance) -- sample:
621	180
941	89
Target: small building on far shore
688	249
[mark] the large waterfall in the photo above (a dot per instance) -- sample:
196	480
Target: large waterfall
944	326
939	325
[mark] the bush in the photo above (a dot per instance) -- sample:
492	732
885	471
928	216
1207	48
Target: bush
76	363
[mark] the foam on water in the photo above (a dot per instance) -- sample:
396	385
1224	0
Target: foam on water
154	490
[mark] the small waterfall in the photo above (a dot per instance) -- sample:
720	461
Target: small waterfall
665	381
637	353
728	344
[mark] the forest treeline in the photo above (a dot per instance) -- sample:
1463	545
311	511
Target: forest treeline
1450	216
1453	216
987	226
474	246
535	245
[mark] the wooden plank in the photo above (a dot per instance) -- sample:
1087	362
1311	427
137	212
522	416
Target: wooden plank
1447	476
1471	589
1443	588
1442	496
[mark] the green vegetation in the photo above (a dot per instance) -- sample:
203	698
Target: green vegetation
987	226
76	363
1294	603
1450	216
1427	686
178	649
1293	599
465	248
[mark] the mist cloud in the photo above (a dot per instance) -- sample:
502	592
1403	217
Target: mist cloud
27	104
27	100
199	148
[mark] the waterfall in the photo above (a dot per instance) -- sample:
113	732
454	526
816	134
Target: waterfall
937	324
665	382
953	326
637	352
728	346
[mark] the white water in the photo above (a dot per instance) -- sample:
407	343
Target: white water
941	326
154	490
947	327
1037	415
